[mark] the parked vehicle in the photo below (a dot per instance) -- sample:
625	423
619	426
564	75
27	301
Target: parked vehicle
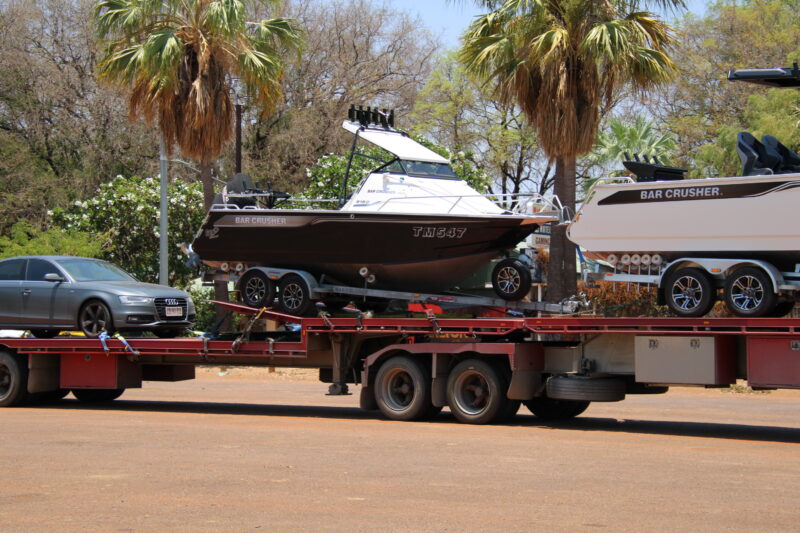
47	294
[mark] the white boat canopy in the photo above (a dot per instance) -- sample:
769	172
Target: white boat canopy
397	143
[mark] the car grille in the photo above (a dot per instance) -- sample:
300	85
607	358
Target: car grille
163	303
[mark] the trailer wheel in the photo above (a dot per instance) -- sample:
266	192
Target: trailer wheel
511	279
550	409
403	389
256	289
749	293
13	380
689	292
475	393
294	296
97	395
586	389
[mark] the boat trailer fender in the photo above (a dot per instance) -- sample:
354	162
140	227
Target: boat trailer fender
276	274
719	268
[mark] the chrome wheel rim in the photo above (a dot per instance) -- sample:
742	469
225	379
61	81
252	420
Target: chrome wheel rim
255	290
293	296
94	319
508	280
687	292
747	293
472	392
399	390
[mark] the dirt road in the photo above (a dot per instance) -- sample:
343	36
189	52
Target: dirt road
245	453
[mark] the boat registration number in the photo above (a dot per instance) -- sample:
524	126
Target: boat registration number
174	311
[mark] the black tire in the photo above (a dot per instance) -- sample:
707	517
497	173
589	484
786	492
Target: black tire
783	308
13	379
749	293
94	318
256	289
476	392
586	389
689	292
511	279
366	399
45	333
550	409
294	296
403	389
167	333
97	395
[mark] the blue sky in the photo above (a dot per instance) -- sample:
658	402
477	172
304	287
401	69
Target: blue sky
449	19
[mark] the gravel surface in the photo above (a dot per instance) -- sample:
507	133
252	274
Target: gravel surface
268	451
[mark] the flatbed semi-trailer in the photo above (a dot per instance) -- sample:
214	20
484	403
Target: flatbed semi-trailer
409	368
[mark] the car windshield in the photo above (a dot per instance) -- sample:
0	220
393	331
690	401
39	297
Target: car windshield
91	270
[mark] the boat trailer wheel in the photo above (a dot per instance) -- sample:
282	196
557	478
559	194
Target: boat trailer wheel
511	279
689	292
294	296
256	289
749	293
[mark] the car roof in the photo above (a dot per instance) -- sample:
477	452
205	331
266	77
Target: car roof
52	257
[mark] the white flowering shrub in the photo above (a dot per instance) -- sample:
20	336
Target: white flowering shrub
124	216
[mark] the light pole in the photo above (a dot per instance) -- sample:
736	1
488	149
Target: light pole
238	100
163	257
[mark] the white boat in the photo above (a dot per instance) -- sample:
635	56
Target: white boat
696	237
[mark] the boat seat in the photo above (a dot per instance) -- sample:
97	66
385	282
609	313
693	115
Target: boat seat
756	158
242	184
790	161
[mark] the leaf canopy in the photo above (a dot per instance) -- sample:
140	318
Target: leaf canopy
178	58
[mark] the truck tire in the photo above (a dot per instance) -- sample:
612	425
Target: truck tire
689	293
475	393
586	389
97	395
13	379
749	293
294	296
550	409
783	308
511	279
256	289
403	389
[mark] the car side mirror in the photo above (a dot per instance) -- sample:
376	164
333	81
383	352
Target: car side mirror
52	276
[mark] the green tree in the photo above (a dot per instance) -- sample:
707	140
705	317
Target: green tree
178	58
123	218
26	239
560	61
702	108
459	111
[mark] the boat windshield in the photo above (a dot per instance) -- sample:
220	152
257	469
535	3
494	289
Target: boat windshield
420	169
91	270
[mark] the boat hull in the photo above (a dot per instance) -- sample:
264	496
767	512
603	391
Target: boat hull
403	252
753	217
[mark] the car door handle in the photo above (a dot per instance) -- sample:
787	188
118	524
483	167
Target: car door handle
26	292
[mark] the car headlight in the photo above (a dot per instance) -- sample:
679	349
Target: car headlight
136	300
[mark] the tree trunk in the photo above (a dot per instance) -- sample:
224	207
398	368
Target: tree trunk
220	287
562	280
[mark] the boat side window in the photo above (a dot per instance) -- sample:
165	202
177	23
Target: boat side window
37	268
11	270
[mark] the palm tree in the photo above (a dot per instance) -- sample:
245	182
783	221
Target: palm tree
178	58
637	137
561	61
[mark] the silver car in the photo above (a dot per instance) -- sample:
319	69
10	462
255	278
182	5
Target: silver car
47	294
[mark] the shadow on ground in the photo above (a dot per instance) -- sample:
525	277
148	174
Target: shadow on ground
523	420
